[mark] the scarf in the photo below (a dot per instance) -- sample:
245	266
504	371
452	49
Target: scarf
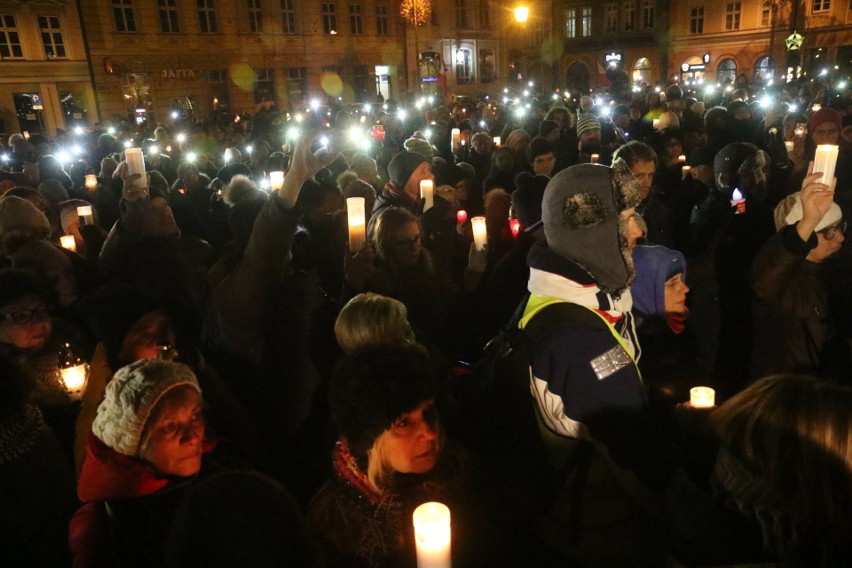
348	470
19	432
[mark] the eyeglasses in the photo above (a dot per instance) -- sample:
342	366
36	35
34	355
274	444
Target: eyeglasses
22	317
829	232
408	243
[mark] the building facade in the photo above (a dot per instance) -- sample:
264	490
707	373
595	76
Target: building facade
154	58
45	81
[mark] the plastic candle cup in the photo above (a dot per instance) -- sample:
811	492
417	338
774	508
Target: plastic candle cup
738	201
357	223
789	145
427	193
68	243
825	161
596	158
684	171
85	212
433	535
480	232
91	182
461	216
136	165
497	141
702	397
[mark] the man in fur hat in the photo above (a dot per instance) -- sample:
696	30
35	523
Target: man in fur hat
583	370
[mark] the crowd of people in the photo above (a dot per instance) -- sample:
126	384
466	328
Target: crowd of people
259	392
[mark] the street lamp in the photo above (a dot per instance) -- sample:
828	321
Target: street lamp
521	14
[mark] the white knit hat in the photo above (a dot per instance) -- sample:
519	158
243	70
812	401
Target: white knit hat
789	212
130	397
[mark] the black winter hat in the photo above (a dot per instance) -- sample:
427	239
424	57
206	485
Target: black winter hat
374	387
227	172
448	174
402	166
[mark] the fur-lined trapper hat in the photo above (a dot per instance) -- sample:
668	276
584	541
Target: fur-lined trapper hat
580	212
19	217
130	398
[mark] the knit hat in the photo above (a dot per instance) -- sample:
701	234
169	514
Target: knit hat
789	212
654	265
698	108
18	215
526	200
419	146
68	213
402	165
130	398
580	212
373	388
53	191
822	116
587	122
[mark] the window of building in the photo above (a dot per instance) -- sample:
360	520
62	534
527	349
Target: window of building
382	21
216	76
764	70
264	86
487	66
484	13
765	13
464	66
207	23
51	37
255	16
642	70
726	71
611	17
571	23
630	16
169	23
125	18
732	16
821	6
288	17
647	14
586	22
296	83
538	32
10	41
329	18
696	20
356	22
461	13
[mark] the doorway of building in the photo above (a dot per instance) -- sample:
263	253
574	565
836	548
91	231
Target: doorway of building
29	108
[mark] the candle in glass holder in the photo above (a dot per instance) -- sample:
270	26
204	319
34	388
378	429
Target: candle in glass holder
427	193
357	223
684	171
73	372
738	201
276	180
480	232
91	182
789	145
515	227
461	216
433	535
596	158
455	138
825	161
86	213
136	165
68	243
497	141
702	397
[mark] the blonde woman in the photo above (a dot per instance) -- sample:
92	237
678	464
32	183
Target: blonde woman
372	320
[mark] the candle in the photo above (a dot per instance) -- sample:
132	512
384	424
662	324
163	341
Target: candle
455	138
816	107
515	227
497	141
74	379
656	123
357	223
801	129
702	397
91	182
86	213
68	243
427	192
276	180
684	171
738	201
681	159
461	216
595	158
825	160
26	134
789	145
480	232
432	535
136	165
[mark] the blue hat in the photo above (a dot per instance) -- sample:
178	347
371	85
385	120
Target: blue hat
654	265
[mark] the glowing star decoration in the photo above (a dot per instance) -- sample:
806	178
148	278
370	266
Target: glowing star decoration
794	41
415	12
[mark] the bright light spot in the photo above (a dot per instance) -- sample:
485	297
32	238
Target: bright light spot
191	157
249	149
153	150
63	157
299	117
520	112
431	100
636	89
428	133
728	89
605	111
368	108
841	85
598	102
315	104
323	141
794	108
355	133
128	143
709	89
530	83
5	157
823	73
401	114
79	130
526	93
363	120
766	101
419	105
181	137
175	114
292	133
506	100
482	124
228	157
384	107
657	89
555	97
264	184
506	91
76	150
366	144
111	130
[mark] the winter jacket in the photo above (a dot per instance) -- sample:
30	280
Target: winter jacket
390	197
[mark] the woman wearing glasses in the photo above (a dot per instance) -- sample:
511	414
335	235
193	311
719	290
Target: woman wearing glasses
790	276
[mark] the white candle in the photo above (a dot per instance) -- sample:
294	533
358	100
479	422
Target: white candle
702	397
816	107
136	165
684	171
825	160
480	232
68	243
91	182
427	192
433	535
357	223
789	145
74	379
656	123
595	158
681	159
455	138
86	213
276	180
497	141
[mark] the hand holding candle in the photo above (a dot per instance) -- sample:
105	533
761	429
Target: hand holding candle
427	193
596	158
73	372
684	171
825	162
357	223
455	138
432	535
497	141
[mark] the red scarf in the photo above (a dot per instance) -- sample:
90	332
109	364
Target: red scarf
347	468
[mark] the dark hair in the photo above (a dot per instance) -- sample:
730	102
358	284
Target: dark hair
16	284
635	151
539	146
